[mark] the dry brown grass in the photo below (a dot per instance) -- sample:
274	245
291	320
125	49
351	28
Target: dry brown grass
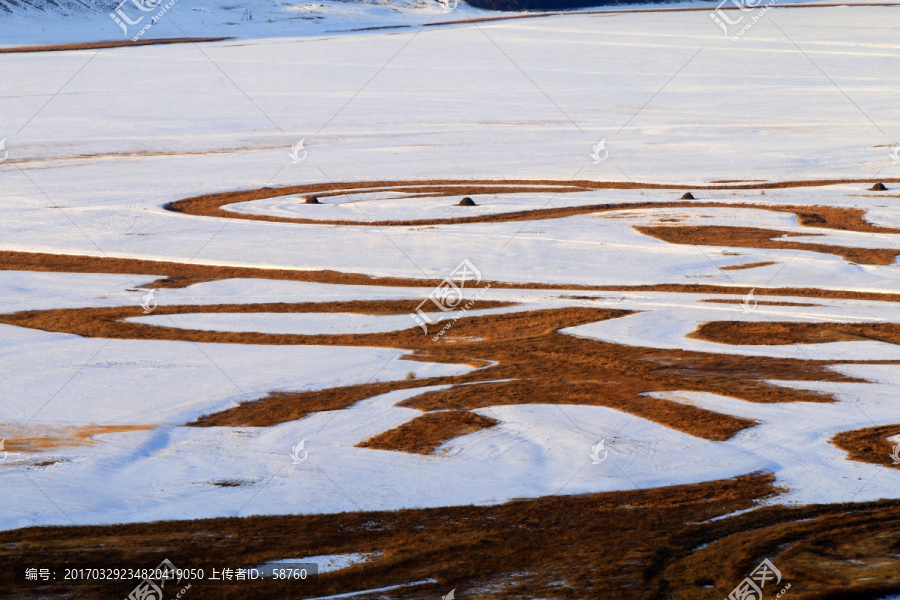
869	445
635	545
700	288
540	364
112	44
183	274
760	302
424	434
211	205
782	333
752	265
754	237
279	407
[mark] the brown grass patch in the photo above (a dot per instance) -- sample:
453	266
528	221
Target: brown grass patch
359	307
279	407
424	434
180	275
869	445
682	417
752	265
754	237
783	333
700	288
112	44
760	302
635	545
541	364
41	438
211	205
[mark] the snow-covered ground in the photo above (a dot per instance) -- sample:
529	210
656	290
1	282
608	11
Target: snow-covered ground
72	21
99	141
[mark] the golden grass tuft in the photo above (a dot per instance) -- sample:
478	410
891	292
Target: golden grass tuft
869	444
631	545
537	363
424	434
783	333
754	237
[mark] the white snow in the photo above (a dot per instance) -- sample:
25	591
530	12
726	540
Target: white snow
667	319
297	323
99	141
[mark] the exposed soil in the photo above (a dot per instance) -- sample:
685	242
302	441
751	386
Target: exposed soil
754	237
636	545
869	445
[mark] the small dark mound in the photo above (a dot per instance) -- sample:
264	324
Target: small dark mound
467	202
878	187
312	200
688	196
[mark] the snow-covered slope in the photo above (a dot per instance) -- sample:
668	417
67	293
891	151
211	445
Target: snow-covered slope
99	142
68	21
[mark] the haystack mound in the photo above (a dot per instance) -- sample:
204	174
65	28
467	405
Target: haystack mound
688	196
878	187
312	200
467	202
